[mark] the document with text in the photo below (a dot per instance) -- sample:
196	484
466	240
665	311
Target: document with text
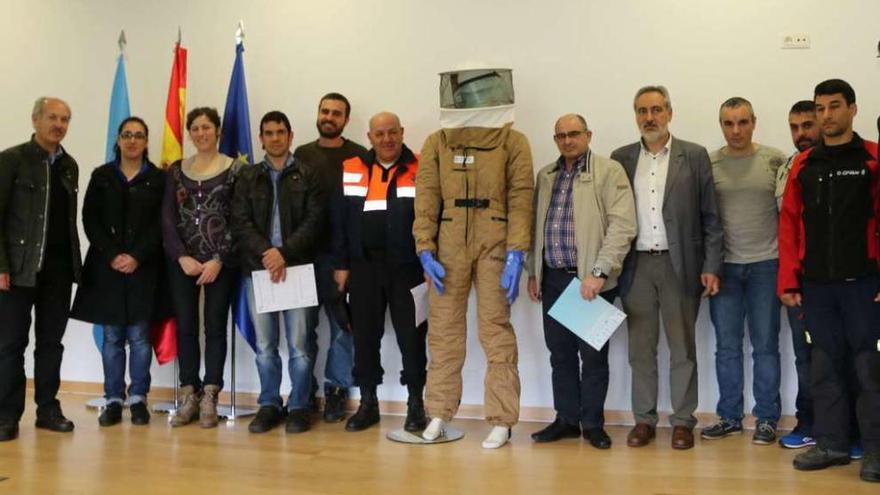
298	290
594	321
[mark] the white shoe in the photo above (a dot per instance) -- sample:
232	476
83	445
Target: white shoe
499	436
436	428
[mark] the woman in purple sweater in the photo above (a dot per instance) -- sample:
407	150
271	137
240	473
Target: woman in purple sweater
198	243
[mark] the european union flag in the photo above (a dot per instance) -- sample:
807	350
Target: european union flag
119	108
235	141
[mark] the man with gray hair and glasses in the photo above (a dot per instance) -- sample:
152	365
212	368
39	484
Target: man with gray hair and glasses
39	261
675	259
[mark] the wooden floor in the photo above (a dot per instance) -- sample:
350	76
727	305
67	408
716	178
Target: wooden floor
327	460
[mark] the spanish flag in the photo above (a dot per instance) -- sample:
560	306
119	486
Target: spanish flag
163	334
175	109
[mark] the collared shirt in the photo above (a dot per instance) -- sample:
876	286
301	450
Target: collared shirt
274	174
649	188
560	247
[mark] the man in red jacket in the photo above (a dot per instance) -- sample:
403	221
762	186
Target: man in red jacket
828	261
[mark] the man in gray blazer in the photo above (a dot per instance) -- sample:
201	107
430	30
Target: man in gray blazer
675	259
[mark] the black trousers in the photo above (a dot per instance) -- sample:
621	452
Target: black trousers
579	373
375	285
218	299
843	322
50	300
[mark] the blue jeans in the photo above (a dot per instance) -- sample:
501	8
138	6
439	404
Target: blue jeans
140	357
748	292
340	353
298	325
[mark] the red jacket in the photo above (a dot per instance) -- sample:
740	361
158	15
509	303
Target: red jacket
828	222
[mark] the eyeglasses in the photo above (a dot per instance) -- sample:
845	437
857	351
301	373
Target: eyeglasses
140	136
559	136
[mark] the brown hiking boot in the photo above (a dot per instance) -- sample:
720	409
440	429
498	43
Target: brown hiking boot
189	407
208	407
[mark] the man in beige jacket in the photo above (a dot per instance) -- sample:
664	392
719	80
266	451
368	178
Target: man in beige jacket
585	221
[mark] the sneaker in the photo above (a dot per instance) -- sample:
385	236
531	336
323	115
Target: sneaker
818	458
140	415
267	417
796	440
435	429
111	415
870	467
765	433
721	429
856	452
298	421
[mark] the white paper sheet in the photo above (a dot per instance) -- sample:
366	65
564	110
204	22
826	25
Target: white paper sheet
297	291
420	298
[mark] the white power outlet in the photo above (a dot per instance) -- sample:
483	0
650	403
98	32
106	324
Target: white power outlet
795	40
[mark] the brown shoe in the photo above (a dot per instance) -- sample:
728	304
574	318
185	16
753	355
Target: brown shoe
208	407
640	435
682	438
189	407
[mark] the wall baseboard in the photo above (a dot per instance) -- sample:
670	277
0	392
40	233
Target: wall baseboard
398	408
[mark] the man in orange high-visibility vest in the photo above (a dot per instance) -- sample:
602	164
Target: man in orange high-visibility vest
375	256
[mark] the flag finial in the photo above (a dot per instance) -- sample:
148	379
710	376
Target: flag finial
179	35
121	41
239	33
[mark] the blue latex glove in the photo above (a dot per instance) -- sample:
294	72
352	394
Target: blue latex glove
511	273
433	269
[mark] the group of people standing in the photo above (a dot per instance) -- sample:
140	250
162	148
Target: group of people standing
662	223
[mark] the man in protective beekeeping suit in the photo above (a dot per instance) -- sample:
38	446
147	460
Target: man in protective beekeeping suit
473	210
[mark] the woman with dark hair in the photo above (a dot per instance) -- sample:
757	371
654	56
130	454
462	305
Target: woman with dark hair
120	287
198	242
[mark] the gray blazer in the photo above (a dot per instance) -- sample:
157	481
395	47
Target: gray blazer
690	214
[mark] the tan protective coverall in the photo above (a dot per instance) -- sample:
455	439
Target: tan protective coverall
473	203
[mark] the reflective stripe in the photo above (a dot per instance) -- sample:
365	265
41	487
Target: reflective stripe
375	205
355	191
351	177
406	192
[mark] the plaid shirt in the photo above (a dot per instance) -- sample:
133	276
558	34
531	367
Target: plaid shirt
560	248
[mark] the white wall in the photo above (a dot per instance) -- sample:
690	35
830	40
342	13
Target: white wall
567	55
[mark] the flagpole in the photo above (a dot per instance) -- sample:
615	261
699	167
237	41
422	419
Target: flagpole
100	403
232	411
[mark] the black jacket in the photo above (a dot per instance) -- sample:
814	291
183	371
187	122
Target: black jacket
829	217
301	206
24	215
123	218
347	212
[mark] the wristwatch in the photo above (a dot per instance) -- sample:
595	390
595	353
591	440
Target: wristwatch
597	272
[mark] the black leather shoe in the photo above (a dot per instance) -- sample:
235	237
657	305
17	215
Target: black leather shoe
298	421
8	431
366	416
111	415
416	420
598	438
54	420
140	415
557	430
267	417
